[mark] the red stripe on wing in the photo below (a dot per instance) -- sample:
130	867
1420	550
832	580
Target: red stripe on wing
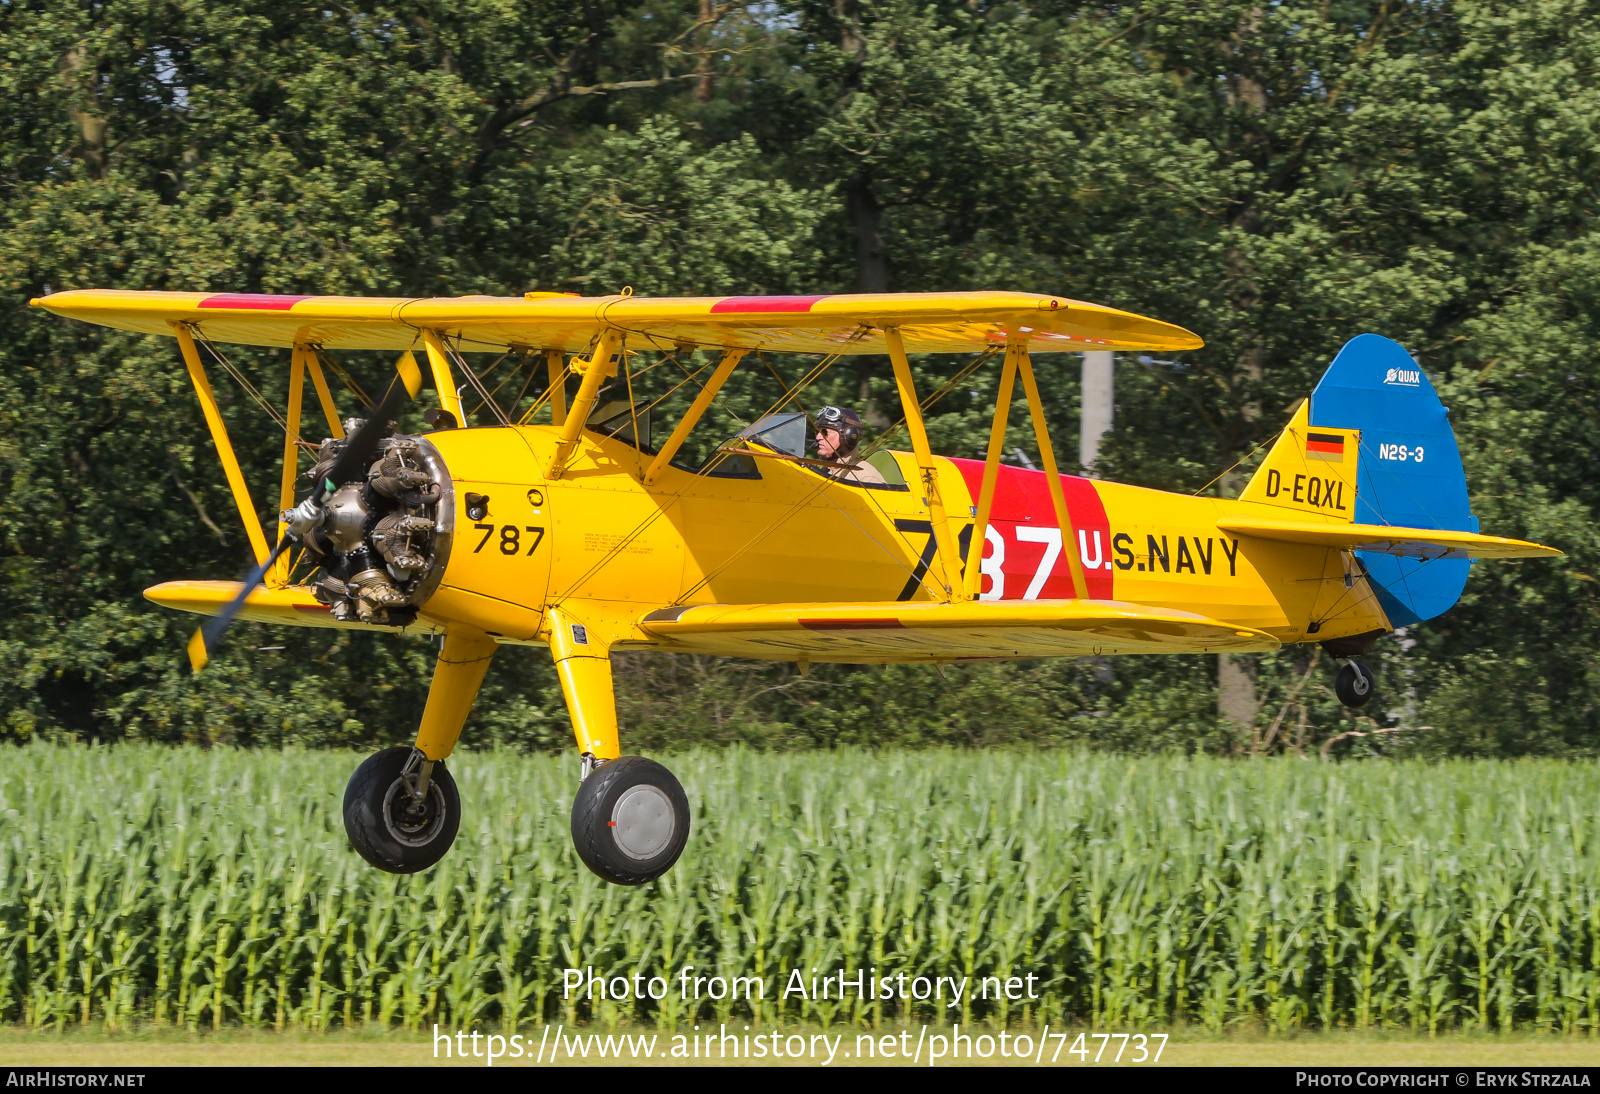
252	301
768	304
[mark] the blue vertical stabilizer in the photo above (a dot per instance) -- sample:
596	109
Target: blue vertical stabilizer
1410	470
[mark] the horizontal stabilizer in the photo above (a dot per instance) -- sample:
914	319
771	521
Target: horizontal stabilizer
293	606
945	632
1429	543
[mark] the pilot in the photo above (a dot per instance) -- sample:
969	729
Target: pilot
839	440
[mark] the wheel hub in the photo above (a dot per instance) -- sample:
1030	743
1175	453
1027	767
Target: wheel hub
412	822
642	822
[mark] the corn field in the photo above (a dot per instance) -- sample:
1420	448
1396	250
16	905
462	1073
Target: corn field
180	887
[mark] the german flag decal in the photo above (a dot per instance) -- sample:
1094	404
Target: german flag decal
1325	446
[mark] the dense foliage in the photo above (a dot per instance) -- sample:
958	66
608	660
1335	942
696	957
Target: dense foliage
149	884
1276	177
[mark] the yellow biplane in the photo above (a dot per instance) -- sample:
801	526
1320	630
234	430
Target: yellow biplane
590	534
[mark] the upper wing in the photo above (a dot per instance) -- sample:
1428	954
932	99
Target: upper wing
940	632
1383	539
851	324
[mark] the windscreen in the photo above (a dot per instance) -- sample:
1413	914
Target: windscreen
617	419
784	433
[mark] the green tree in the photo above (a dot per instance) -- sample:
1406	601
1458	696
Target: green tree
1277	177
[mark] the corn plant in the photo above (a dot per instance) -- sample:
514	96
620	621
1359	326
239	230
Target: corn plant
201	889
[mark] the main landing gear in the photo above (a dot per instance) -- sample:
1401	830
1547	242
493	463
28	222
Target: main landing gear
401	811
630	819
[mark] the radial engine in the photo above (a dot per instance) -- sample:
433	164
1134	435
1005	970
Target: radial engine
380	543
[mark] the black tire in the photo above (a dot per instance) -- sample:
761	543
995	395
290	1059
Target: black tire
381	824
630	820
1354	684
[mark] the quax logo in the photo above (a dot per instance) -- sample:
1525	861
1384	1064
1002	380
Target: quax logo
1408	376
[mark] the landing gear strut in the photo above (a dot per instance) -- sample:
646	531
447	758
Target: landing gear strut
630	820
1354	684
401	809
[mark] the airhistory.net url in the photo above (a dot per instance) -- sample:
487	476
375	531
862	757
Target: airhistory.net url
922	1047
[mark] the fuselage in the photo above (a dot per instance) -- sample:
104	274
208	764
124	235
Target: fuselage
788	533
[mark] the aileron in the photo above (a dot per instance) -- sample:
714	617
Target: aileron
941	632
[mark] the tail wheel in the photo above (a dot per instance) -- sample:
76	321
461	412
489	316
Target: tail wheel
388	824
1354	684
630	820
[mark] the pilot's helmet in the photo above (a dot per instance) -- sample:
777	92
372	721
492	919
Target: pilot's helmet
846	421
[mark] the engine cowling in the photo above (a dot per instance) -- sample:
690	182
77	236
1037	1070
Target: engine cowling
384	541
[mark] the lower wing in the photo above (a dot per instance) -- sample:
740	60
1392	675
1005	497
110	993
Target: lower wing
945	632
291	606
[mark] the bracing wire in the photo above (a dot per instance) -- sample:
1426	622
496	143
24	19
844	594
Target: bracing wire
673	390
910	570
504	380
1237	462
344	377
524	357
477	384
822	483
249	388
533	370
544	396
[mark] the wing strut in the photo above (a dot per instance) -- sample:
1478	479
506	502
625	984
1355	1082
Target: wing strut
278	576
330	409
1052	477
596	370
449	400
730	358
949	559
555	366
991	471
219	437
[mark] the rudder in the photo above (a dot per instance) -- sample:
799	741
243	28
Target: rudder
1409	473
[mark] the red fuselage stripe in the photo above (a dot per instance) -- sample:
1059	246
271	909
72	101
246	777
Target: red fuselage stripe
1022	502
